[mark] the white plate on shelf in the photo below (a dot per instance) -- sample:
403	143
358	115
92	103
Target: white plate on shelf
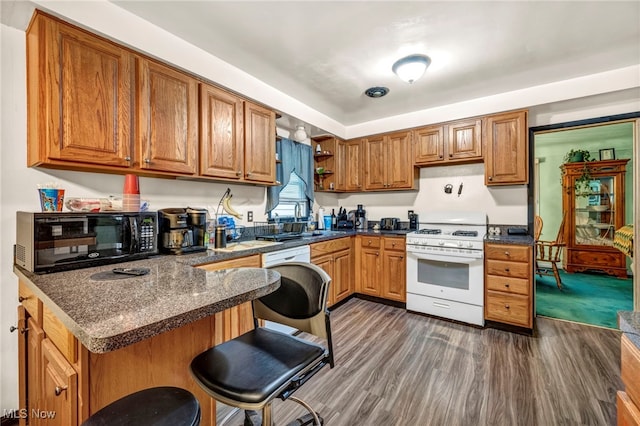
598	208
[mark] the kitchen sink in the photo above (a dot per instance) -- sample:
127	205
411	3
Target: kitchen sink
245	245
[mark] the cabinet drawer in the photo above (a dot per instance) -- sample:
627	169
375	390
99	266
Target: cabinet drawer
508	308
507	252
628	412
59	335
31	303
394	243
630	369
596	258
331	246
369	242
508	269
241	262
508	284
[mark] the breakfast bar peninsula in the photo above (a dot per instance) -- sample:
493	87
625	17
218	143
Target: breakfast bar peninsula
91	336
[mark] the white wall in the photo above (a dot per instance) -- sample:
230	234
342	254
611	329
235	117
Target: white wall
18	183
505	206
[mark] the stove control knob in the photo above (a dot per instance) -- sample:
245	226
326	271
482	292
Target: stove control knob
440	243
470	244
459	243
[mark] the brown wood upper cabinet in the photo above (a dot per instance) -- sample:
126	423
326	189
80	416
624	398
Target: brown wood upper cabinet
259	144
388	162
167	118
95	105
507	158
459	141
221	133
79	98
349	158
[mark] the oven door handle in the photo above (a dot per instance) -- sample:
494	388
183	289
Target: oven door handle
444	258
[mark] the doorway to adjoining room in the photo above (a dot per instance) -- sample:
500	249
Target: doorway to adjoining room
582	212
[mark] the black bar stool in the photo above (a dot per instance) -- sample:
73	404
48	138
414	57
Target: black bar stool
160	406
253	369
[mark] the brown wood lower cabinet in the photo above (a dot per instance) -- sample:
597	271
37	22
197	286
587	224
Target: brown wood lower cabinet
381	267
509	284
58	374
335	258
628	401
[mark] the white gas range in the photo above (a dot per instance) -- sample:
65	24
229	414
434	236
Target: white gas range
445	266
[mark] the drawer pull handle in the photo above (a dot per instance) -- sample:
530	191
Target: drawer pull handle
506	306
506	253
60	389
506	285
506	269
22	299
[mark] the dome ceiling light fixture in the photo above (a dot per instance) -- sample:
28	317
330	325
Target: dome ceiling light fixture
410	68
376	92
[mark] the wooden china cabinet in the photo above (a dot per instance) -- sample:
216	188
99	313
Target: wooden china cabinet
593	213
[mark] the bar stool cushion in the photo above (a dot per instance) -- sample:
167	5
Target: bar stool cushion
159	406
255	365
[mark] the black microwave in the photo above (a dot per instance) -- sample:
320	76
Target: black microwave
52	242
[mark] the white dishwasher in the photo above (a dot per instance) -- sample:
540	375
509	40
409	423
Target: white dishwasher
294	254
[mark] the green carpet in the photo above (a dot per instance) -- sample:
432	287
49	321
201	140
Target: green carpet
585	298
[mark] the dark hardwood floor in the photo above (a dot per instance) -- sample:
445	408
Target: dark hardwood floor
399	368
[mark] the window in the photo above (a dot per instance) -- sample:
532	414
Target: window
291	195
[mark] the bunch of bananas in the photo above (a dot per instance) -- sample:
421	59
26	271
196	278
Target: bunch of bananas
226	205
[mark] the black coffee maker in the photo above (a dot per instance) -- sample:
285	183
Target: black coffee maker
182	230
360	218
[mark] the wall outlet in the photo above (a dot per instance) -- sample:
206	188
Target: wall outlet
249	216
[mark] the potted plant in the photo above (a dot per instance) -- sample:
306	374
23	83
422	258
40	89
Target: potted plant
582	182
577	156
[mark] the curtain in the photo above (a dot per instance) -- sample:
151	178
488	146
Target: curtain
295	157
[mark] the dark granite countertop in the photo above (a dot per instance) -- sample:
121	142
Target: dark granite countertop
526	240
211	256
107	311
630	325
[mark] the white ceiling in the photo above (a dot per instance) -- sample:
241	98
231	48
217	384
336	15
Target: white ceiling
325	54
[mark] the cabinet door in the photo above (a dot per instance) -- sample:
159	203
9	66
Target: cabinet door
221	133
167	119
507	159
353	165
59	387
342	281
259	144
428	145
399	166
340	165
370	264
394	275
326	263
464	141
30	338
80	97
375	163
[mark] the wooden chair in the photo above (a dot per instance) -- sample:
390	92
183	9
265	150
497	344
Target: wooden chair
549	251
